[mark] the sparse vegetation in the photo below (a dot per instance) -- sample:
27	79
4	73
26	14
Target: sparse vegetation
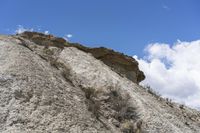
48	51
181	106
158	96
151	91
132	127
92	102
89	92
169	102
127	127
65	69
119	106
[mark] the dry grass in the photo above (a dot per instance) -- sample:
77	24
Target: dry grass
123	112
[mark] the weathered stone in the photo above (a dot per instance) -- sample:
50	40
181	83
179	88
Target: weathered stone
120	63
65	89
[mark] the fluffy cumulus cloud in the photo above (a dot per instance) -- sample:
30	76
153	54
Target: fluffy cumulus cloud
174	71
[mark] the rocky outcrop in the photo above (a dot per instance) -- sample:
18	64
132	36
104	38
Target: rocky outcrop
120	63
35	97
48	88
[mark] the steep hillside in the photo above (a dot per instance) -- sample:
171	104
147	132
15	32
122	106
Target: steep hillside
120	63
50	85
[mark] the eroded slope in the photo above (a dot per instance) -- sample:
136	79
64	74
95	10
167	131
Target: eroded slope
64	89
35	97
120	63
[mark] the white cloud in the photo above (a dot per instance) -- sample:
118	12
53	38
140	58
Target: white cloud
20	29
67	36
174	71
46	32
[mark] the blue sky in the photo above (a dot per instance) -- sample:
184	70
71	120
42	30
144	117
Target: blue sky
124	25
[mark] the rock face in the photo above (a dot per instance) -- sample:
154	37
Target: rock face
49	85
120	63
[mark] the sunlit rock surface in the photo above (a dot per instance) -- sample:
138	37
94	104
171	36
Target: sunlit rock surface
50	85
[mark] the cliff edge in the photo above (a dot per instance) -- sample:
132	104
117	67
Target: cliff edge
120	63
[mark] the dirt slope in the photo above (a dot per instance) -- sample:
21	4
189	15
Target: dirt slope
65	89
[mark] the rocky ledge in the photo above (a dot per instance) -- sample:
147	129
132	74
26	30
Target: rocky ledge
120	63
